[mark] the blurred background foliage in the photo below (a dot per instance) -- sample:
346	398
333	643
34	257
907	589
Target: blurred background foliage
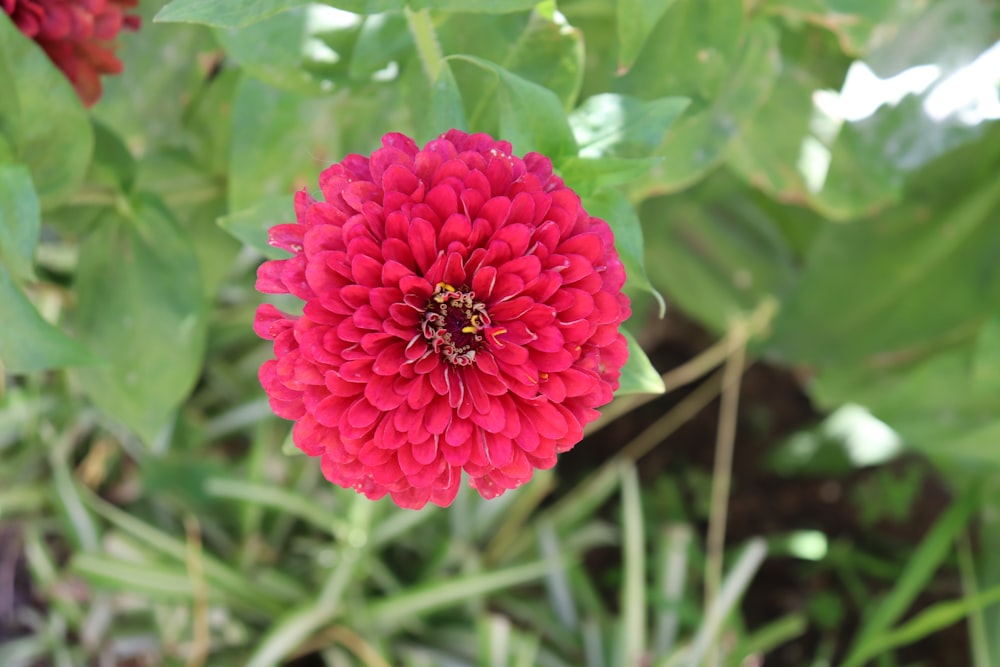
812	181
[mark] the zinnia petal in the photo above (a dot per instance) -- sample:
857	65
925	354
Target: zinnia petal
461	318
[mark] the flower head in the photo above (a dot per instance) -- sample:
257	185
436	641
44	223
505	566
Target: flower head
77	36
461	313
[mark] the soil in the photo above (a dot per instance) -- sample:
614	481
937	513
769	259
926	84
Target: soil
773	405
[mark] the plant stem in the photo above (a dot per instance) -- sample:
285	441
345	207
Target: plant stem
428	47
722	474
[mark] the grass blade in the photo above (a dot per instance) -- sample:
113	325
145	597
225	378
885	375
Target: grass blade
633	593
925	561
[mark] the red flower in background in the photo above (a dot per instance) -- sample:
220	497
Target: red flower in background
77	36
461	313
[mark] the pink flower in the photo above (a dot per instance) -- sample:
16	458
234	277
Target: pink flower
77	36
461	313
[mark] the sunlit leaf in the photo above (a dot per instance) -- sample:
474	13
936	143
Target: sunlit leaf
531	117
223	13
611	125
638	375
616	209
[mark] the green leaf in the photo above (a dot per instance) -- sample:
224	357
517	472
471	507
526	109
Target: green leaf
445	106
611	125
383	38
586	175
42	118
196	199
251	224
853	22
19	221
142	310
167	67
697	142
888	285
638	375
636	20
918	397
475	6
693	51
303	50
113	164
619	213
280	141
550	53
932	620
717	254
27	342
542	50
223	13
531	117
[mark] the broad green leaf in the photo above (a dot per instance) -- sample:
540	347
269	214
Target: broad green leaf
142	311
383	39
715	255
475	6
693	51
196	199
589	174
853	22
27	342
611	125
251	224
42	118
890	286
944	404
638	375
697	142
223	13
619	213
842	172
542	50
446	103
19	221
306	49
166	67
113	164
280	142
549	53
961	30
531	117
636	20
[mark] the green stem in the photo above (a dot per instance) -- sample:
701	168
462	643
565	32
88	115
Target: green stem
428	47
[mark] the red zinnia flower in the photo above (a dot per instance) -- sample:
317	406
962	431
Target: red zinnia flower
462	312
77	36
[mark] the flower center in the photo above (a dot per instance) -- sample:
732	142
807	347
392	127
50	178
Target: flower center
455	323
